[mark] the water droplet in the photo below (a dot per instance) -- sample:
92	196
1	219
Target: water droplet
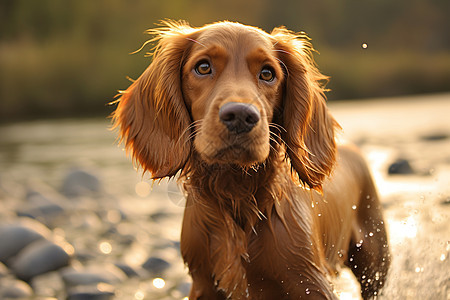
370	233
307	291
364	45
377	276
353	207
319	215
442	258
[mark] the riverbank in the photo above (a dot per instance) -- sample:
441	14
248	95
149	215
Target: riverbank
74	208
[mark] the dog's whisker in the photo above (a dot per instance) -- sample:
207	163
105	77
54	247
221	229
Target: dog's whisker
246	186
277	126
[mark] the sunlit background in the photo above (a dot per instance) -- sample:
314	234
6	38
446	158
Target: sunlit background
110	232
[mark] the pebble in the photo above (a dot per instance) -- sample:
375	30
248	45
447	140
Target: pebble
13	289
437	136
38	258
49	284
37	263
156	266
92	292
400	167
129	270
3	270
19	235
43	203
92	275
80	183
44	213
446	201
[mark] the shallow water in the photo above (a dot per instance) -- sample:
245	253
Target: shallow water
417	206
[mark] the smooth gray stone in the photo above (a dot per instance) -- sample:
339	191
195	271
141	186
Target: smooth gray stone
130	271
38	258
3	270
156	266
400	167
91	292
106	274
44	211
79	183
12	289
49	284
15	237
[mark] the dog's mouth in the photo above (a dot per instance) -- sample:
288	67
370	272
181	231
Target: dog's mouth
240	138
240	152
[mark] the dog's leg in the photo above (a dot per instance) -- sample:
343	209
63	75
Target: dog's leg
368	255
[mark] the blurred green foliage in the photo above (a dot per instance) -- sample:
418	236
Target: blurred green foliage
69	58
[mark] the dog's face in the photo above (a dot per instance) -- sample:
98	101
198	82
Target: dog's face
230	93
231	82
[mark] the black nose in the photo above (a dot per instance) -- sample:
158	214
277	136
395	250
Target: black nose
239	117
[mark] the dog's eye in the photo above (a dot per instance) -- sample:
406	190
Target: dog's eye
203	68
267	74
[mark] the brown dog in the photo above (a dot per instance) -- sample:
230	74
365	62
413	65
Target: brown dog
242	114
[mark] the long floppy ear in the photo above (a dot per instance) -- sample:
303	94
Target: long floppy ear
310	128
151	114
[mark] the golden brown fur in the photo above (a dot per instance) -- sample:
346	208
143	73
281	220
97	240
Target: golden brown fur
273	206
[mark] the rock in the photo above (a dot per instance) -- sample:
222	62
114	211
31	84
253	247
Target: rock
17	236
38	258
49	284
45	213
13	289
3	270
445	201
43	203
437	136
38	193
92	275
91	292
400	167
156	266
80	183
128	270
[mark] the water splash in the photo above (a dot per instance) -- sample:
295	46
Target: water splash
404	229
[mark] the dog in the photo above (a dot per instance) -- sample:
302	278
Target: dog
274	206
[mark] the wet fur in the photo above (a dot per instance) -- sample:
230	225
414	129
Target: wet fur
271	214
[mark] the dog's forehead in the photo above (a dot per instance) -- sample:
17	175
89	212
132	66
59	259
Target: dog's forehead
234	35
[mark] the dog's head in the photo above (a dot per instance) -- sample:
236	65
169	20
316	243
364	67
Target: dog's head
232	93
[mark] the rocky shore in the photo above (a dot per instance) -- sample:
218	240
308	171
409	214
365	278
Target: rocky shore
78	222
73	244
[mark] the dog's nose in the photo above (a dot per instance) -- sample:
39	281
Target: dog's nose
239	117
